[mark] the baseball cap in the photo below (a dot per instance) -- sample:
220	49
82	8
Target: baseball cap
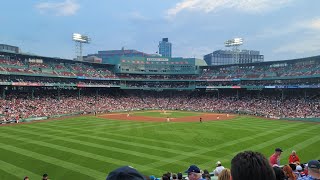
218	163
314	164
125	173
278	149
193	168
299	168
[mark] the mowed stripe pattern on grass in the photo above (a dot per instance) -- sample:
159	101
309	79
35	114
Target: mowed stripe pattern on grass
90	147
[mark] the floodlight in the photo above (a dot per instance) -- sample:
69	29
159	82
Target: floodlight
234	42
79	39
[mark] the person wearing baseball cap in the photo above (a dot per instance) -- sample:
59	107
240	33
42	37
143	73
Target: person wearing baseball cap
218	169
194	173
274	159
313	171
125	173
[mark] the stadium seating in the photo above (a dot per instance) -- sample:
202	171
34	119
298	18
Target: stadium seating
49	104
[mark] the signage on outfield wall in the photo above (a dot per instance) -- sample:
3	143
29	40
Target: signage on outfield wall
5	83
95	78
209	80
26	84
269	87
157	59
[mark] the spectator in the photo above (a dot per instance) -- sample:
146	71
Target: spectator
45	177
293	158
225	174
125	173
275	158
313	171
249	165
288	172
279	173
194	173
26	178
152	177
205	174
164	177
218	169
180	176
174	176
299	171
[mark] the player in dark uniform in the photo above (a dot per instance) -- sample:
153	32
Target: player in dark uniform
201	119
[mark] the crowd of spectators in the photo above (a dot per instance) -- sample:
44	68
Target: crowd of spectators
52	68
53	80
292	69
20	105
247	165
157	84
262	71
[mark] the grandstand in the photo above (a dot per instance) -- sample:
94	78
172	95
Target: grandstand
289	88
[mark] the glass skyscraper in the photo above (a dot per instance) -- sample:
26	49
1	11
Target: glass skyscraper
165	48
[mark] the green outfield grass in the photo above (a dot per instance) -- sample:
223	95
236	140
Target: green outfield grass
171	114
90	147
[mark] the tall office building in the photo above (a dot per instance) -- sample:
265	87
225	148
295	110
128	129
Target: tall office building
165	48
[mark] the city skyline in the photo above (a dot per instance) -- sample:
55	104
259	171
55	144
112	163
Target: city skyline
280	30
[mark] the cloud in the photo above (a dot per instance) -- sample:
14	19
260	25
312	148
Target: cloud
314	24
307	37
206	6
305	45
289	29
65	8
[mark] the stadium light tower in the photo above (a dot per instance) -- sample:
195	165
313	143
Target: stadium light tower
79	40
235	44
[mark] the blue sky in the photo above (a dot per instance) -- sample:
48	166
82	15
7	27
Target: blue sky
280	29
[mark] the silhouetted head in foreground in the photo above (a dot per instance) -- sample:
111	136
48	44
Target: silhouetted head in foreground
249	165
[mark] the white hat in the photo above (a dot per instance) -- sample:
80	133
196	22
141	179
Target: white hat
218	163
299	168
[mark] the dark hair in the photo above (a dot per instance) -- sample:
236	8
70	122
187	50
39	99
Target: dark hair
203	176
168	174
205	172
44	176
179	175
249	165
174	176
25	178
207	176
279	173
293	167
165	177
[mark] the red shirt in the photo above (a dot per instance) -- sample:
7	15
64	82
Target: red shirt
274	159
293	159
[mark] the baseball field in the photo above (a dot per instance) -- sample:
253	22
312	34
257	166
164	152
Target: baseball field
154	142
